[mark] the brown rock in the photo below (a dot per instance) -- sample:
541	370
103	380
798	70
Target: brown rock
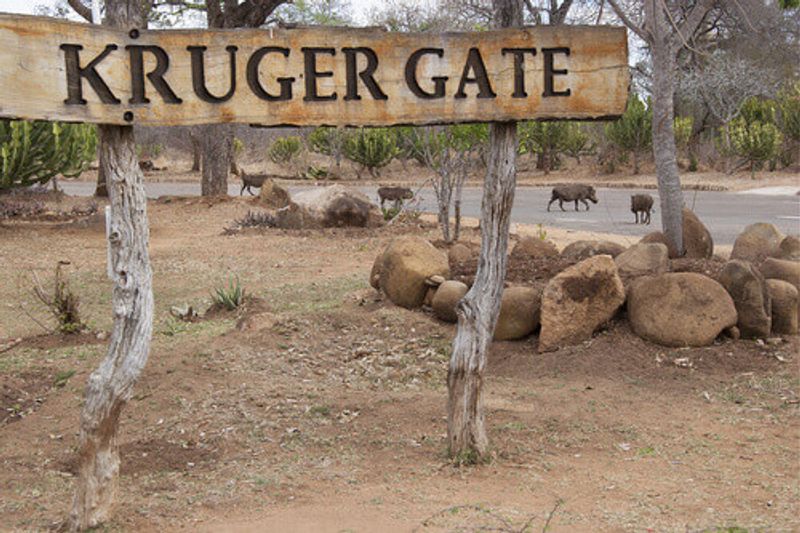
697	239
459	253
784	306
273	195
533	248
579	300
337	206
746	286
375	273
643	259
789	249
580	250
657	237
407	262
757	242
680	309
519	313
782	269
445	299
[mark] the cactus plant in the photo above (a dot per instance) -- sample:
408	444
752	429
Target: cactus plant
372	149
35	152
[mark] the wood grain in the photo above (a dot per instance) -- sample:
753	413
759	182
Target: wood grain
33	77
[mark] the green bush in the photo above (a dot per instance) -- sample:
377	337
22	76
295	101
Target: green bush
372	148
633	132
756	109
284	149
35	152
756	142
789	107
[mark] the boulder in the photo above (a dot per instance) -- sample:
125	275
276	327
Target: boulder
407	262
375	273
746	286
579	300
273	195
445	299
697	239
580	250
643	259
294	217
679	309
337	206
784	306
789	249
533	248
757	242
459	253
656	237
519	313
782	269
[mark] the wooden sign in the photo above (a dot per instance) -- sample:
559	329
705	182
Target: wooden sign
58	70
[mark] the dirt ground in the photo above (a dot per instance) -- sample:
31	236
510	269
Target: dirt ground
321	406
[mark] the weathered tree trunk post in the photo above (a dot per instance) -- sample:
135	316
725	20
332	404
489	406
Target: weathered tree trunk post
478	311
197	153
664	150
111	384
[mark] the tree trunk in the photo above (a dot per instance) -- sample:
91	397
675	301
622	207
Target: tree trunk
635	162
100	189
111	384
664	72
478	310
217	148
197	153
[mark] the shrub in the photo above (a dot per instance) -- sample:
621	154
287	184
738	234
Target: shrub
229	296
284	149
371	148
756	142
35	152
256	220
63	304
633	132
789	123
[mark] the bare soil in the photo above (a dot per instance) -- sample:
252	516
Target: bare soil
322	408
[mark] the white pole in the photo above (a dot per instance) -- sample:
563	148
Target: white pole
96	12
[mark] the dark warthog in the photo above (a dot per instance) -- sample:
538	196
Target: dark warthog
642	203
254	180
573	193
394	194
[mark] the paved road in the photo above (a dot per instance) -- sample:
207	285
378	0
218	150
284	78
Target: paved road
724	213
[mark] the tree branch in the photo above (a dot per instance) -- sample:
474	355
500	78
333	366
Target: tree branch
81	9
635	28
695	17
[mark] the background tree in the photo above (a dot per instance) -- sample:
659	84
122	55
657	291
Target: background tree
633	131
451	152
667	29
110	386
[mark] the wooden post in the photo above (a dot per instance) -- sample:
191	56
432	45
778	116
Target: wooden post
478	311
110	386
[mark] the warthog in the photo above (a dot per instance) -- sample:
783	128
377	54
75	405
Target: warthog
254	180
573	193
642	203
394	194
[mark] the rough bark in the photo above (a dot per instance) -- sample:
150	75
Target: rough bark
479	309
197	153
664	150
100	189
217	149
111	384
